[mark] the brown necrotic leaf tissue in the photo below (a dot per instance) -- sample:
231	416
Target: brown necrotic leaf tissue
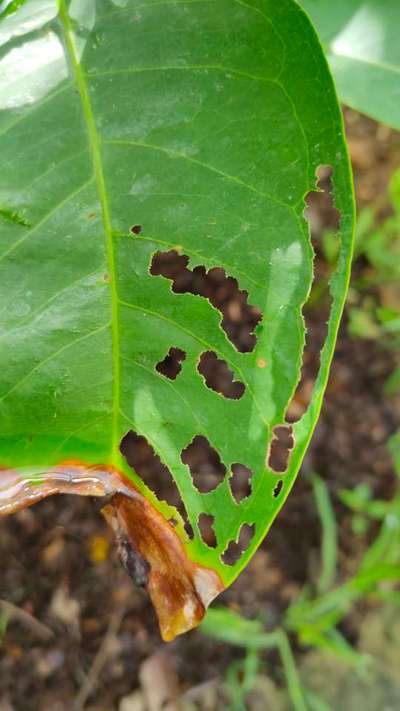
149	547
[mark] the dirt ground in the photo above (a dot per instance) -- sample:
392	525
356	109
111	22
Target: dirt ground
81	636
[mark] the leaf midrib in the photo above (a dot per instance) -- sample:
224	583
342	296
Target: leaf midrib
94	147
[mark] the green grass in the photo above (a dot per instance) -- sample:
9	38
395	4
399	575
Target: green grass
314	619
3	625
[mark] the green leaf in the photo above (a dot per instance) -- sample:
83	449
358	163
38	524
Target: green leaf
360	38
394	448
130	128
329	543
228	626
362	324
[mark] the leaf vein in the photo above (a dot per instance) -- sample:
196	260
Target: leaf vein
53	356
182	156
44	219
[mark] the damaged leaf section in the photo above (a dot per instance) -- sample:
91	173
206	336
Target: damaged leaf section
141	456
235	549
206	528
148	545
219	377
135	565
180	591
18	491
281	445
204	463
171	365
240	482
320	211
239	318
324	223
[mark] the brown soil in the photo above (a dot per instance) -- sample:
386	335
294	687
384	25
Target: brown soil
77	620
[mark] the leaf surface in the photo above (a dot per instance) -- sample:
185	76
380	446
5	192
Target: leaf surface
130	129
361	41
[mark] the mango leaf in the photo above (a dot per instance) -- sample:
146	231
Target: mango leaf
360	38
156	157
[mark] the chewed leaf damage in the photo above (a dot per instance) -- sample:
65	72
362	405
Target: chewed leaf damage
162	285
149	547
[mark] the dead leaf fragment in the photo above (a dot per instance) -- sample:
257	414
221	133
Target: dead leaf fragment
133	702
159	682
65	609
152	552
179	589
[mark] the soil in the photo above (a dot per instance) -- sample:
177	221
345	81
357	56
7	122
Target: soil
81	636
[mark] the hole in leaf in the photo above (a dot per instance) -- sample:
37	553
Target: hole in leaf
219	377
171	365
206	528
278	488
136	229
234	550
204	463
240	482
187	525
141	456
239	318
320	211
280	448
324	220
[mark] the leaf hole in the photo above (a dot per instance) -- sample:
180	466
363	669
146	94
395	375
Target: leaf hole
141	456
235	549
136	229
240	482
187	526
219	377
320	211
278	488
204	463
324	221
281	445
206	528
171	366
186	523
239	318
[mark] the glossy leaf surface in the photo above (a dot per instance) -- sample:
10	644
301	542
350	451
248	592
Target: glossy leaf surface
361	39
131	128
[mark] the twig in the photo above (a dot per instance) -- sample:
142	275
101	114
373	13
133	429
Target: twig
16	613
100	659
